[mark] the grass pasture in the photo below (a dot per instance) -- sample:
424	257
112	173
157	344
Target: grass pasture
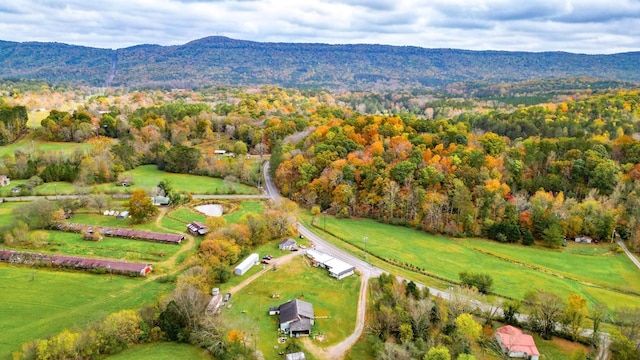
28	145
188	215
515	269
244	208
148	176
59	242
38	303
162	351
334	299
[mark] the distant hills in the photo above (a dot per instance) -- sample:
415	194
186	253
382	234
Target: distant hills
223	61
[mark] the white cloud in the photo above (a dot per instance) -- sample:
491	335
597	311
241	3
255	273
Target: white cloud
586	26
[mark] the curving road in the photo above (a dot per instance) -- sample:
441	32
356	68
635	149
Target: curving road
338	351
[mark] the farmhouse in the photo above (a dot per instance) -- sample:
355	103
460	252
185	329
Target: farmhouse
4	180
296	317
288	244
246	264
337	268
583	239
516	344
197	228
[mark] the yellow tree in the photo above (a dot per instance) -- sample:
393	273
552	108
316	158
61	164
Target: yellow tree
141	207
575	313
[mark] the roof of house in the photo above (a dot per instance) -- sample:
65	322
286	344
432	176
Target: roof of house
319	256
294	310
338	266
514	340
287	242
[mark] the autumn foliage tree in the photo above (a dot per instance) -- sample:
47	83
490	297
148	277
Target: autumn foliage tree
141	207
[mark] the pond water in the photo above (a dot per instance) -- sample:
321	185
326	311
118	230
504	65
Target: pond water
210	209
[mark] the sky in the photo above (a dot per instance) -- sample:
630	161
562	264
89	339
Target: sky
578	26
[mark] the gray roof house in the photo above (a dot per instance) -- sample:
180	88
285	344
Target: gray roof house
288	244
296	317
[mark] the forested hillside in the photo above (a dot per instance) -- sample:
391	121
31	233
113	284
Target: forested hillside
541	172
220	60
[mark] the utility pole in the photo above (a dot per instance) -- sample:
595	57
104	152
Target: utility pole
365	247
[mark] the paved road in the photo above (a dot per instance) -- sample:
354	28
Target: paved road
629	254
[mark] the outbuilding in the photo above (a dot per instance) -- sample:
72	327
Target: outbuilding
339	269
197	228
246	264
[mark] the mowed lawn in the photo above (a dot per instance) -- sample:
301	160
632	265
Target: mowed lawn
244	208
162	351
37	303
335	301
148	176
447	257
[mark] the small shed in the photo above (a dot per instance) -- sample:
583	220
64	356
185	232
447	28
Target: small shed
197	228
123	215
160	200
583	239
288	244
295	356
246	264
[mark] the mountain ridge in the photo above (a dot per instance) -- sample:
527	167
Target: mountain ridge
219	60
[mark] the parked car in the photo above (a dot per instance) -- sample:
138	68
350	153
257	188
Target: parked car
294	249
226	297
265	261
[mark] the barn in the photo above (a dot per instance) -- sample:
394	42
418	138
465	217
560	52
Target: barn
246	264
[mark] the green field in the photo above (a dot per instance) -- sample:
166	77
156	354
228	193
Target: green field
245	207
28	145
145	177
596	277
335	299
112	248
148	176
162	351
37	303
188	215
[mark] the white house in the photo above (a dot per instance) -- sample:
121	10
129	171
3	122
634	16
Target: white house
4	180
246	264
337	268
